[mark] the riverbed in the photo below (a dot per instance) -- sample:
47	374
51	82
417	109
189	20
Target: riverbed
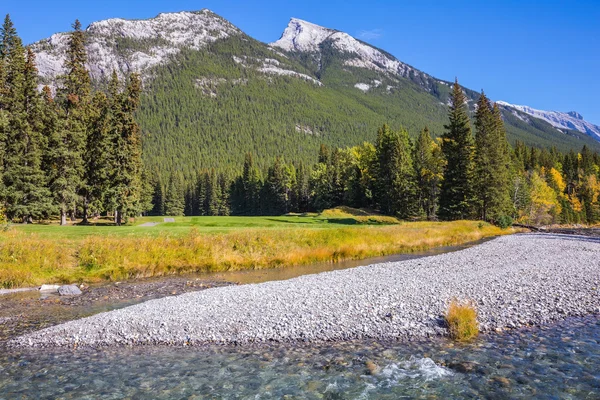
514	281
557	361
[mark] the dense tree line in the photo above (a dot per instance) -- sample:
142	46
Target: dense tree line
461	175
72	151
75	151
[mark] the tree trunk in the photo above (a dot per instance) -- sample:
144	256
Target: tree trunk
63	216
118	217
85	211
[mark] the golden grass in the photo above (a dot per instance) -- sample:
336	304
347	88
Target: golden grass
461	318
27	259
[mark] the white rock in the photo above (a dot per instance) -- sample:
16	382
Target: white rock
49	288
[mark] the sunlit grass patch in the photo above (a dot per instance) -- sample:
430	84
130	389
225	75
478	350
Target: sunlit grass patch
32	258
461	318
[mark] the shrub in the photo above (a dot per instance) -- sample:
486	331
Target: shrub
461	318
505	221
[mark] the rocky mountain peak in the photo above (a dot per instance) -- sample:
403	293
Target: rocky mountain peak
134	45
575	115
302	36
306	37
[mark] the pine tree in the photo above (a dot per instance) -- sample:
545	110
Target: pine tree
25	185
212	193
302	188
97	155
174	201
8	37
456	195
251	186
129	153
485	153
395	173
158	198
74	97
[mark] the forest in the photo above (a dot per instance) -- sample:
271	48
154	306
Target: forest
461	175
74	151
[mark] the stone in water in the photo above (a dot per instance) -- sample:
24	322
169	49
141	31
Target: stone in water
69	290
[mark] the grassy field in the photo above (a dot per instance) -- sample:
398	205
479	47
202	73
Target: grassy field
48	253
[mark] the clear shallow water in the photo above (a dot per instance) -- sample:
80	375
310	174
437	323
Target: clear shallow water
556	362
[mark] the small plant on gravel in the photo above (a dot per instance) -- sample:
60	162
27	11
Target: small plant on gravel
461	318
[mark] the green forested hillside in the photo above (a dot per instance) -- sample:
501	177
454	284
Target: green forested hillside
205	110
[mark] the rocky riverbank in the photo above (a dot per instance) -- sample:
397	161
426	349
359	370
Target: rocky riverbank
515	281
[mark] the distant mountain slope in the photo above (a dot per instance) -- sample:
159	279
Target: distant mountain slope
212	93
563	120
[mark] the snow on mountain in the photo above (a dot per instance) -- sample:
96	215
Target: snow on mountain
303	36
270	66
561	120
134	45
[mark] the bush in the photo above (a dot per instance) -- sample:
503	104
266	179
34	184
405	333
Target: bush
505	221
461	319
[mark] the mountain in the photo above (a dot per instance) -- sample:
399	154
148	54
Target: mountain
571	120
213	93
134	45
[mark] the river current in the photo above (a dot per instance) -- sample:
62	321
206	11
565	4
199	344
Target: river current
560	361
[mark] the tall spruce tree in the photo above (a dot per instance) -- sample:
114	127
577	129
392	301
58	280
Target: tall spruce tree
251	186
8	35
456	195
174	201
128	153
74	97
97	154
395	174
277	189
24	182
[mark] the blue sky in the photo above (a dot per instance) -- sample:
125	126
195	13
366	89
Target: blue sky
545	54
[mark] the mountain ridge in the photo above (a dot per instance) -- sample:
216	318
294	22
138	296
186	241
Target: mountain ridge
559	119
213	93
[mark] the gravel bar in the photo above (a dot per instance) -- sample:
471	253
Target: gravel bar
516	281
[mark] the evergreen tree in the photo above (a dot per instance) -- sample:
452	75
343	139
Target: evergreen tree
276	193
456	195
8	37
69	146
174	201
212	193
395	173
302	188
98	162
158	198
251	186
492	162
128	166
24	182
